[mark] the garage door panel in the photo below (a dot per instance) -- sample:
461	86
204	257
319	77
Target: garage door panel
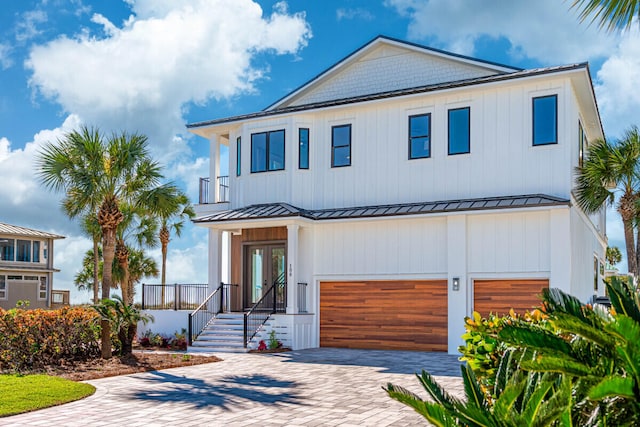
499	296
385	315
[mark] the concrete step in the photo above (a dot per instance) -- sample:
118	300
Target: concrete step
199	349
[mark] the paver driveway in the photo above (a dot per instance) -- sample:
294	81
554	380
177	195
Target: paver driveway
303	388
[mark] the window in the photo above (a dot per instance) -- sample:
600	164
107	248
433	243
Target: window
6	249
420	136
582	142
545	120
23	252
303	148
459	131
36	251
42	289
595	274
3	287
32	278
340	146
238	157
267	151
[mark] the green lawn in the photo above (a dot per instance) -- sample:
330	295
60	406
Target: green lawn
24	393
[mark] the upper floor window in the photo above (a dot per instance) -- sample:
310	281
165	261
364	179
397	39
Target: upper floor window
459	130
238	156
340	146
303	148
7	247
420	136
23	252
267	151
582	142
545	120
36	251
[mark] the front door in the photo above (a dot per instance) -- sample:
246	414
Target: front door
266	266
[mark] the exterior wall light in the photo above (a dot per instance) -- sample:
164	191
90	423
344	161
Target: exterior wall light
456	283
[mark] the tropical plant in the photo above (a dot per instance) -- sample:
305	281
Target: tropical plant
98	177
124	319
85	278
612	14
91	227
607	170
581	367
613	255
172	218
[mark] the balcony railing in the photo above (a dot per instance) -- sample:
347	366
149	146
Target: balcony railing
173	297
222	194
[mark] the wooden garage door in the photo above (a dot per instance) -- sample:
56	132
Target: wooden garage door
404	315
499	296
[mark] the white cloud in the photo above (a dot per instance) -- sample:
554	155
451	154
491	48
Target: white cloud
617	86
544	30
67	257
357	13
140	76
24	200
27	27
5	59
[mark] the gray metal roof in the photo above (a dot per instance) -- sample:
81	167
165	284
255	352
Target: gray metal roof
394	93
16	230
285	210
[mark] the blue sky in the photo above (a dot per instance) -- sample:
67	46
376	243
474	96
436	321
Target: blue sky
153	65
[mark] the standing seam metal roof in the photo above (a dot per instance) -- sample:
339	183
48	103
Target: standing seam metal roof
285	210
16	230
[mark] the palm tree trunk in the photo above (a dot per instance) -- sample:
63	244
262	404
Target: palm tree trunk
164	241
632	260
96	266
108	255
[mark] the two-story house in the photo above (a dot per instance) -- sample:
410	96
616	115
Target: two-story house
26	267
398	191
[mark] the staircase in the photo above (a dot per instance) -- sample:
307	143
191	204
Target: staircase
225	334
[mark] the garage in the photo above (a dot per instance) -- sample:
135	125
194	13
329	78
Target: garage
499	296
390	315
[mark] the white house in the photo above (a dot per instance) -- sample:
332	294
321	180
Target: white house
26	268
397	192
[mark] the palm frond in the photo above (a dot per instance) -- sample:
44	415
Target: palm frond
609	14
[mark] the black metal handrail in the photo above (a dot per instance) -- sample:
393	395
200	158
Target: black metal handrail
204	191
272	301
201	316
173	296
223	190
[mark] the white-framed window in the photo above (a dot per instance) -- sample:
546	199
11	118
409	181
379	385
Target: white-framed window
42	288
3	287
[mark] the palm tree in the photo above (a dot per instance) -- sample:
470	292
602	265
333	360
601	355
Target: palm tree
91	227
85	278
99	177
613	255
172	220
607	170
136	230
612	14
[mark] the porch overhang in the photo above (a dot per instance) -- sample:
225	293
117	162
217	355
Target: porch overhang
284	213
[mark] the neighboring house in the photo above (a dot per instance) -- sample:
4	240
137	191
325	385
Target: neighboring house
26	267
399	191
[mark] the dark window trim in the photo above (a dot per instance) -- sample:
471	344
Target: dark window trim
449	130
238	156
581	143
533	121
419	136
267	151
308	147
333	147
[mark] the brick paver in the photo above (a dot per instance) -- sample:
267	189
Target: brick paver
319	387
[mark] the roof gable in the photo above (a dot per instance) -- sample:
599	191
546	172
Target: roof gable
385	65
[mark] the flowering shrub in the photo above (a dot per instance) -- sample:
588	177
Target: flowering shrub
33	339
262	346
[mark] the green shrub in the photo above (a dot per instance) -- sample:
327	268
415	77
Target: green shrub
33	339
570	364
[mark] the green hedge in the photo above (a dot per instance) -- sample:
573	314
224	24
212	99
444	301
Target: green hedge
33	339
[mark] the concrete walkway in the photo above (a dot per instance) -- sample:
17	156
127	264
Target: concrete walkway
319	387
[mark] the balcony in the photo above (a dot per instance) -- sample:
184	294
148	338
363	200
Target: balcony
220	193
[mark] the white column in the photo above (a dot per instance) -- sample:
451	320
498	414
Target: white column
215	259
214	168
457	269
292	263
560	249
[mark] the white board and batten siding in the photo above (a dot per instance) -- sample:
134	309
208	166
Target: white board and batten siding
502	160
